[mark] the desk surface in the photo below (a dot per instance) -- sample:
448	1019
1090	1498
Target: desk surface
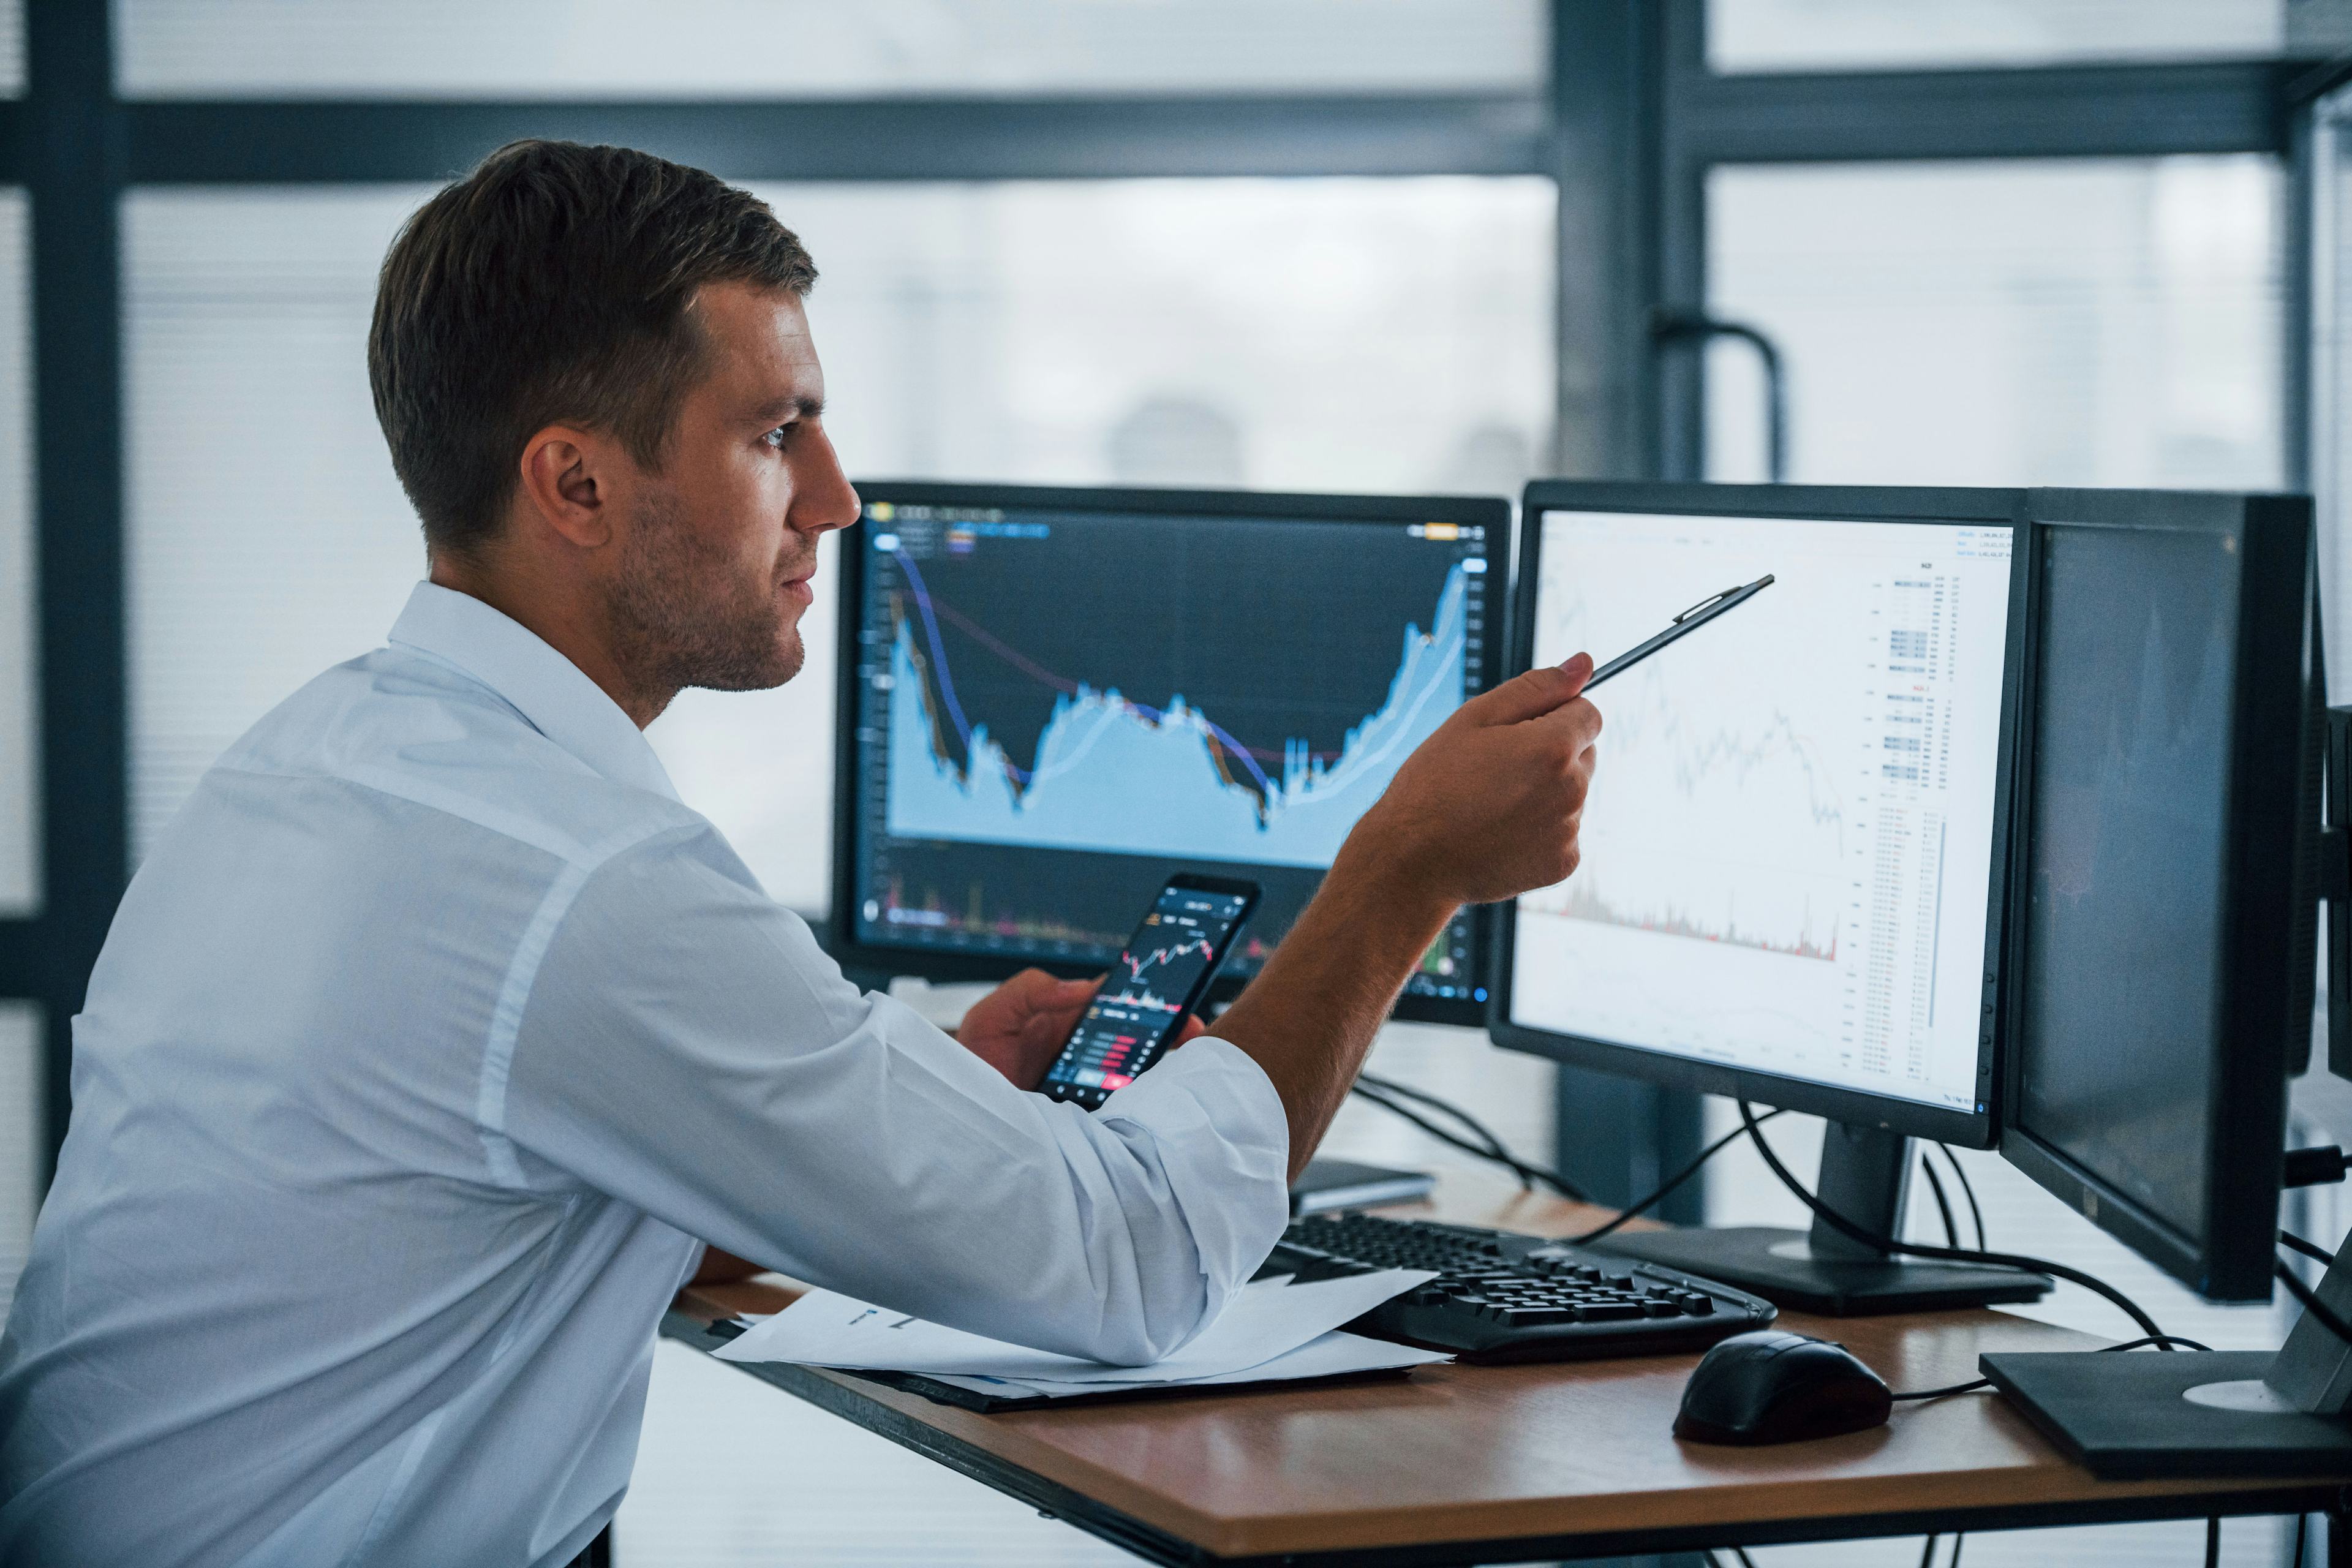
1483	1464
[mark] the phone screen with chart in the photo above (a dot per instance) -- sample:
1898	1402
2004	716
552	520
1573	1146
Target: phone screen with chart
1159	977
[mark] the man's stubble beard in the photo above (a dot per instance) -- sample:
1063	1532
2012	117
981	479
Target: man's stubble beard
681	615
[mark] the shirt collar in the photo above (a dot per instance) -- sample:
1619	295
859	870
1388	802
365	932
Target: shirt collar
552	693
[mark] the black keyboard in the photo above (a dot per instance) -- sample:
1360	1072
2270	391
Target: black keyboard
1504	1297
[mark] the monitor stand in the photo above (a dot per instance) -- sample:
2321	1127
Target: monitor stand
1866	1176
2137	1416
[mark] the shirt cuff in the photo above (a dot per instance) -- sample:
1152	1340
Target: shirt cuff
1223	1140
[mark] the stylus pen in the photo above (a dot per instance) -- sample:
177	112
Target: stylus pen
1689	621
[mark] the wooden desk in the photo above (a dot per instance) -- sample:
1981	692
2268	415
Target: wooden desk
1493	1464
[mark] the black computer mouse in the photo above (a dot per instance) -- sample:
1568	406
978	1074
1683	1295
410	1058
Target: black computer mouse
1771	1386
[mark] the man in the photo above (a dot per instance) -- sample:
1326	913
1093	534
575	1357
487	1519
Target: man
437	1038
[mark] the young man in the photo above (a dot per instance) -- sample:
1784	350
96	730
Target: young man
436	1036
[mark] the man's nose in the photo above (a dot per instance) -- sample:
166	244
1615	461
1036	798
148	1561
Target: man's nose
825	500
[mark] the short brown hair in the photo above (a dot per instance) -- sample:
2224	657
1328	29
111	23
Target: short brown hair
552	284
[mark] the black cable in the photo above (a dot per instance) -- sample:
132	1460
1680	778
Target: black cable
2301	1523
2169	1341
2311	1303
2213	1541
1478	1129
1967	1190
1957	1255
1927	1553
1521	1167
1744	1561
1444	1135
1943	1205
1634	1210
1957	1542
2308	1248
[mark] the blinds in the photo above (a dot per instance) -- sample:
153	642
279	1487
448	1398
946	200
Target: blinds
810	48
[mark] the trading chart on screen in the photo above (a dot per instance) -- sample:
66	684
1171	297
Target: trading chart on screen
1787	850
1059	708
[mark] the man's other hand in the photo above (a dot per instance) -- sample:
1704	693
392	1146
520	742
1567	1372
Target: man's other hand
1019	1027
1490	805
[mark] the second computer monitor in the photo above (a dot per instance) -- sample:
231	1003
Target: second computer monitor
1052	699
1794	846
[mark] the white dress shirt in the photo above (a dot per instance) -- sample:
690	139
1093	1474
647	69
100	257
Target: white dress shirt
427	1045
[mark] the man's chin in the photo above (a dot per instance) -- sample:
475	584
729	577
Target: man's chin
777	664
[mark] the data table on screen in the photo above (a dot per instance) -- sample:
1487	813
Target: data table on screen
1787	848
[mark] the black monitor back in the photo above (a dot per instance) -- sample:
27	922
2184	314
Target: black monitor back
2165	892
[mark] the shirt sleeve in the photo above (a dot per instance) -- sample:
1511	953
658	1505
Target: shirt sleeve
686	1047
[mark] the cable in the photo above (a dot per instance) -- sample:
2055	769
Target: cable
2312	1303
2302	1524
2169	1341
2213	1541
1526	1170
1958	1255
1927	1553
1957	1542
2308	1248
1967	1190
1635	1210
1943	1205
1478	1129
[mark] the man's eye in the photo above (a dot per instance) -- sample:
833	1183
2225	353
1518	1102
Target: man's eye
778	437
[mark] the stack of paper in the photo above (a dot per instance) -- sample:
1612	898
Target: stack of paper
1274	1331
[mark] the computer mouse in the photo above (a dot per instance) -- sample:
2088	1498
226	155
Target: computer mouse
1771	1386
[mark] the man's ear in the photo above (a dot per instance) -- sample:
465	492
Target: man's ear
568	481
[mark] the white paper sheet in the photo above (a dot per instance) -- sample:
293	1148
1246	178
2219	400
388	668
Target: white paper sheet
1335	1354
1268	1320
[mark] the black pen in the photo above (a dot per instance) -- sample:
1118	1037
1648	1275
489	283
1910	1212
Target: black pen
1689	621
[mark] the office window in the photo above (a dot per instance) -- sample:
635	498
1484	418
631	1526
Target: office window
807	48
1870	35
22	1153
1328	334
20	782
268	538
2331	375
2081	322
12	49
2097	321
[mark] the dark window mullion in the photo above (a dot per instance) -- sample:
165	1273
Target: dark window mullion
243	142
73	168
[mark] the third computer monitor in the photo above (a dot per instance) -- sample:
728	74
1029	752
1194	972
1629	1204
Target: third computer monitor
1793	852
1053	699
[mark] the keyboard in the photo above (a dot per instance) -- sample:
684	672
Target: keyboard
1501	1297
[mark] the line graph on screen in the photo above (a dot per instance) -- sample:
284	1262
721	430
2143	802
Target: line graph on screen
1715	814
1113	772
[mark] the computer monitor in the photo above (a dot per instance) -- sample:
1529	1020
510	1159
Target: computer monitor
2167	888
1052	699
1795	850
2167	880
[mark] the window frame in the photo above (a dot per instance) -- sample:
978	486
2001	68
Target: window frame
1626	126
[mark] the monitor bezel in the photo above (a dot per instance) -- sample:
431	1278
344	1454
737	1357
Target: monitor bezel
2266	998
1493	512
1828	503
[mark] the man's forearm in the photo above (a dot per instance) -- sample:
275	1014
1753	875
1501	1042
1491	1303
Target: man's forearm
1309	1016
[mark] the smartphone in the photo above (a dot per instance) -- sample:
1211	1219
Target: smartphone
1157	981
